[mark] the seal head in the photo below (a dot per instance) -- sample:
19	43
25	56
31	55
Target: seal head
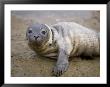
38	34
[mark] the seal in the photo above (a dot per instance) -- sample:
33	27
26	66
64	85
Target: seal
61	41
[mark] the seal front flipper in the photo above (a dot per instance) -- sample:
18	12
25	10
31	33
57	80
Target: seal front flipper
62	63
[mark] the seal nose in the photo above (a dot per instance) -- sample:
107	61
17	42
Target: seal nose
36	37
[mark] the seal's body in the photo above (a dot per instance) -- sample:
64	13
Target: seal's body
63	40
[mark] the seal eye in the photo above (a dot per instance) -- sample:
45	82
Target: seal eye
43	32
30	31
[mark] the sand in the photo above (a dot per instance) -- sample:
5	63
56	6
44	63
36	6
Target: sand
25	62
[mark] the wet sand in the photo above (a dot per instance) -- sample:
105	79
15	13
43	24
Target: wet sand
25	63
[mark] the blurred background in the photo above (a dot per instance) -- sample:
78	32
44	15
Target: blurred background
24	62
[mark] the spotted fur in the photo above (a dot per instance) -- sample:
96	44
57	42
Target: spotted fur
67	39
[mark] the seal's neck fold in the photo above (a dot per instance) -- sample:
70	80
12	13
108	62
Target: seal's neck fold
50	34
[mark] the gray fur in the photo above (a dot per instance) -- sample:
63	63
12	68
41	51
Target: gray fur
34	34
63	40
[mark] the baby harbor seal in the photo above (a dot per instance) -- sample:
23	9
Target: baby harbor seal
61	41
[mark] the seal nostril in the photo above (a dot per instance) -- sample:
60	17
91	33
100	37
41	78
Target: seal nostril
36	37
